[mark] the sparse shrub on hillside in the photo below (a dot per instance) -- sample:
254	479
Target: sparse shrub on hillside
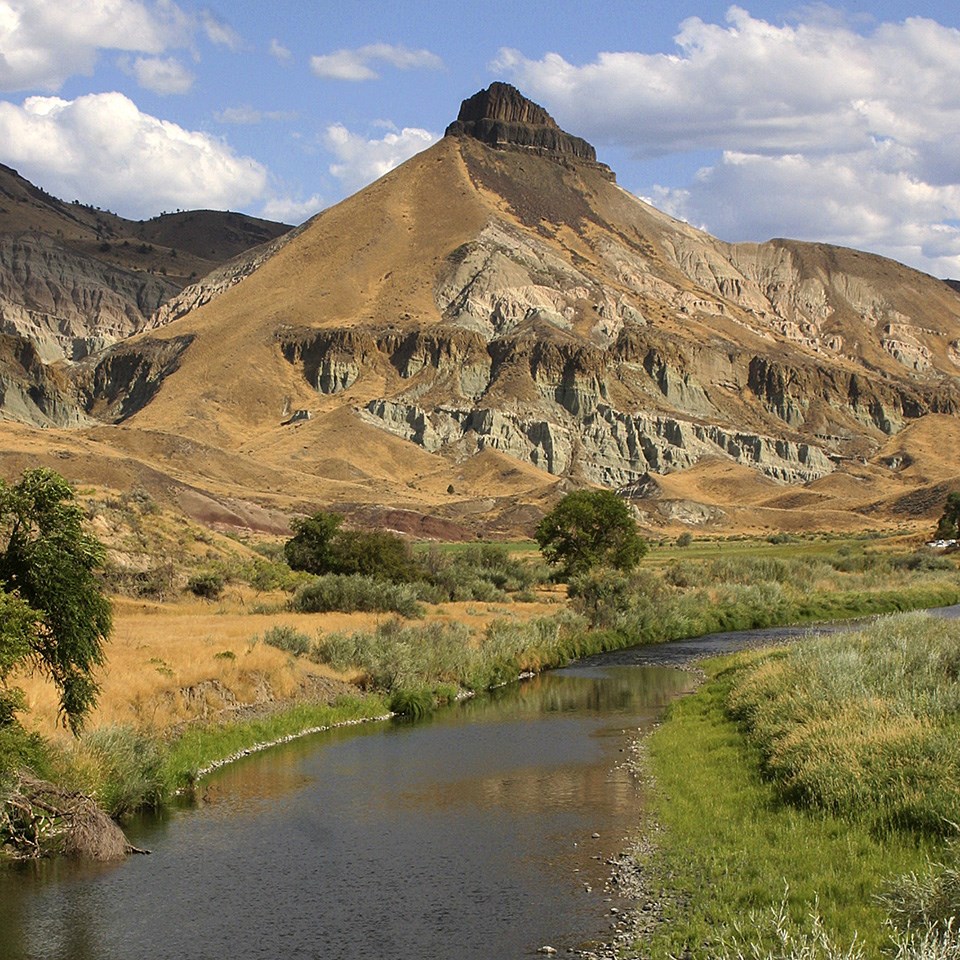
288	639
207	585
356	593
685	539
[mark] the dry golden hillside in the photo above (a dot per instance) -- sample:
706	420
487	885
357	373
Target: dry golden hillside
497	321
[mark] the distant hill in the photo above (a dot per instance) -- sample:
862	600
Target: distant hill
497	321
74	279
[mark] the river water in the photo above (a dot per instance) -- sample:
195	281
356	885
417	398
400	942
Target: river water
467	835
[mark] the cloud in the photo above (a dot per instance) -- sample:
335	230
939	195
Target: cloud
288	210
279	52
101	148
162	75
220	32
356	64
361	161
43	42
826	128
246	115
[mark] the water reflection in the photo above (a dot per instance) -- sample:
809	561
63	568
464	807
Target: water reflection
462	835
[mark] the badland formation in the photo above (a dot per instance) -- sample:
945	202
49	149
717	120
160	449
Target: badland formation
490	324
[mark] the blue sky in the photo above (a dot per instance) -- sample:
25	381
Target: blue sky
833	122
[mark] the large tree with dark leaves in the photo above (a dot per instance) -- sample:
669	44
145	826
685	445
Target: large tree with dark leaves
53	612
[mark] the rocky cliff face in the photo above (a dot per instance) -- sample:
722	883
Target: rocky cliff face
76	279
605	341
70	305
501	117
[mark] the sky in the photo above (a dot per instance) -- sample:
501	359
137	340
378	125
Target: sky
834	122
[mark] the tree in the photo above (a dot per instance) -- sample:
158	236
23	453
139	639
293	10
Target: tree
949	526
310	547
319	546
590	528
53	612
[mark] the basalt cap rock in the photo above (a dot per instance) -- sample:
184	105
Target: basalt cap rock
502	117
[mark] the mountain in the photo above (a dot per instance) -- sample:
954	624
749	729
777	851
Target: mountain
75	279
497	320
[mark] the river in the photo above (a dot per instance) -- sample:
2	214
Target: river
480	833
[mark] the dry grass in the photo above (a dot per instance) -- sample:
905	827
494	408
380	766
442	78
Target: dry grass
169	663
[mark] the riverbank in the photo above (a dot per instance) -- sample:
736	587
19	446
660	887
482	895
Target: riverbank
773	856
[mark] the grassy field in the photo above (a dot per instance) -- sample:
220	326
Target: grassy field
803	783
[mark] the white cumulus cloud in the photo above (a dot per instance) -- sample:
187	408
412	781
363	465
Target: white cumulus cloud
279	52
360	160
101	148
358	64
43	42
824	131
220	32
289	210
162	75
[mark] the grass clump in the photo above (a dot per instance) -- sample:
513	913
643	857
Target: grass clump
349	593
685	598
863	725
122	768
288	639
444	657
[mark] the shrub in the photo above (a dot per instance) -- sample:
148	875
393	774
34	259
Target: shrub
685	539
207	585
289	640
929	900
320	546
356	593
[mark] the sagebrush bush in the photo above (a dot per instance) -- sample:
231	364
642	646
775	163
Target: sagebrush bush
288	639
207	585
348	594
927	900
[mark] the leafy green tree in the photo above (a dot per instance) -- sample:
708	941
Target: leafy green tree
590	528
53	612
949	526
310	547
320	546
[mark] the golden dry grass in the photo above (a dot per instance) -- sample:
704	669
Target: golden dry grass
163	667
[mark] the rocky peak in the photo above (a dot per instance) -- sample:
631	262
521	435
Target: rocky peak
502	117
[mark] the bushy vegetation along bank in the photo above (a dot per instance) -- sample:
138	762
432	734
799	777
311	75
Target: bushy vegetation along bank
817	780
691	598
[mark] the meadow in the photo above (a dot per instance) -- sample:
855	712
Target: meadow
813	790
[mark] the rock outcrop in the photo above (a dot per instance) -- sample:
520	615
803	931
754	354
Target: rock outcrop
503	118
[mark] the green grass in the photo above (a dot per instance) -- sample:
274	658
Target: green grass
731	847
865	725
202	746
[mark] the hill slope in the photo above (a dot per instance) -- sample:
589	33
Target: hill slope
500	295
74	279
